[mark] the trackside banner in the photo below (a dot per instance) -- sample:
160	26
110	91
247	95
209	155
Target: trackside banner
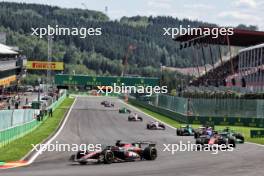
257	133
7	81
42	65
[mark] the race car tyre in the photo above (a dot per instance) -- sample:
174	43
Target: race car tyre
178	132
240	137
196	135
83	162
198	141
108	157
72	158
150	153
140	118
232	143
163	127
148	126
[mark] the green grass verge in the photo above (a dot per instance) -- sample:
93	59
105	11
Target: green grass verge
244	130
20	147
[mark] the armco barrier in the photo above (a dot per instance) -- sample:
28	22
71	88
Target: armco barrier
174	115
10	134
228	121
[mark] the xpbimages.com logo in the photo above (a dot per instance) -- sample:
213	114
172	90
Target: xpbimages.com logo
198	31
122	89
56	30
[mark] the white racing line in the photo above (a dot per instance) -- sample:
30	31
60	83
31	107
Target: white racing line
168	124
33	158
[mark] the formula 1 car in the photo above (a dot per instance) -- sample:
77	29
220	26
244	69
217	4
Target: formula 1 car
221	138
107	104
203	130
134	117
121	152
238	136
185	130
155	125
124	110
103	102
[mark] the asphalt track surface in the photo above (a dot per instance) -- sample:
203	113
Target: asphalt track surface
89	122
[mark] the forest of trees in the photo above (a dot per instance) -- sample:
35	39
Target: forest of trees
97	54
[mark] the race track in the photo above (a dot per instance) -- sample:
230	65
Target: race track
90	122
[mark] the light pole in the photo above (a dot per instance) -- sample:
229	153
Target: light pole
49	61
161	74
39	81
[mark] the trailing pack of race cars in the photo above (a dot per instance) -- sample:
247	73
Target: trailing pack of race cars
146	150
207	135
203	135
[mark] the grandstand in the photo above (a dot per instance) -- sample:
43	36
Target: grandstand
11	65
243	69
251	68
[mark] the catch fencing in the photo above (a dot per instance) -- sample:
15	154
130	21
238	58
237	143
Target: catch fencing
238	112
241	108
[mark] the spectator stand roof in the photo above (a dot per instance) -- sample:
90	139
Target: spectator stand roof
240	38
6	50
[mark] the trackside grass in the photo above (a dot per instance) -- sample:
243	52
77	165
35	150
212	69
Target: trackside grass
20	147
244	130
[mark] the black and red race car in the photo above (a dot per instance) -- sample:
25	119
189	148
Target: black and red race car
121	152
217	138
155	125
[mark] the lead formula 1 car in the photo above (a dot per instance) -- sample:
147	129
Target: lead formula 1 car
155	125
121	152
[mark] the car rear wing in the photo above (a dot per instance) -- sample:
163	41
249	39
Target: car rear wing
149	143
